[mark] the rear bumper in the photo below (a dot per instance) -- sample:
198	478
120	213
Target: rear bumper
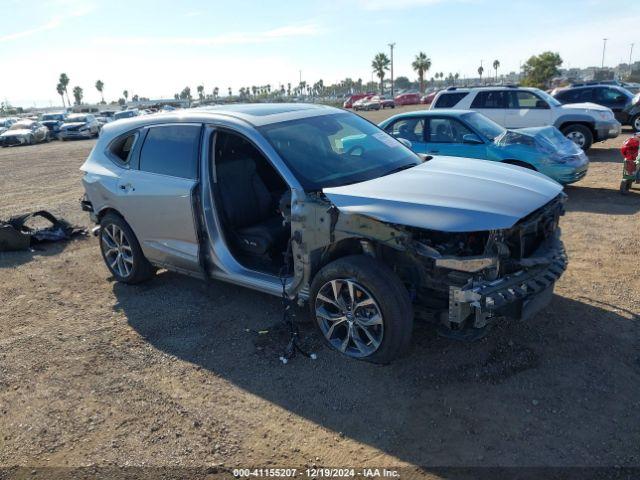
519	295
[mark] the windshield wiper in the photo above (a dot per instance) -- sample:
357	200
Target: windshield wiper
400	168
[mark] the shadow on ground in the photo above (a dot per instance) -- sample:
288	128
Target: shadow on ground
529	393
606	201
14	259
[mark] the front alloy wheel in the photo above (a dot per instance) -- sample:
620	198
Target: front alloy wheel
349	318
117	250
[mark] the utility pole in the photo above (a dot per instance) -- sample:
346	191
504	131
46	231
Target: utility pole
604	47
630	54
391	45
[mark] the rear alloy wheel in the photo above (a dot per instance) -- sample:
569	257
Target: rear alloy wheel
121	251
580	135
362	309
635	123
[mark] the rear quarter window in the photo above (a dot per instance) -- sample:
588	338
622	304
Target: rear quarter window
171	150
121	148
449	99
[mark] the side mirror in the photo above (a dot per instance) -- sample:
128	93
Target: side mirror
472	139
542	104
621	99
405	142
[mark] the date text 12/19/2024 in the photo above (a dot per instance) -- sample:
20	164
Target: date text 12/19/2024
315	473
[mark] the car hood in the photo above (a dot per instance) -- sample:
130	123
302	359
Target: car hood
584	106
449	194
16	133
548	141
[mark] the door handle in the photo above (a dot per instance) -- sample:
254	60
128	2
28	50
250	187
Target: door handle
126	187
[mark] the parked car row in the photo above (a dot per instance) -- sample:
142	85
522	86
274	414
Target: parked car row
58	125
519	107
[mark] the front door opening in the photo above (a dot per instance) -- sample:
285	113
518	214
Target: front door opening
252	201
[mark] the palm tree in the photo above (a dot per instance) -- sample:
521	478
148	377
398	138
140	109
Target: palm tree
77	95
455	78
64	81
379	65
480	72
496	65
125	94
200	89
421	65
230	92
216	91
60	90
100	87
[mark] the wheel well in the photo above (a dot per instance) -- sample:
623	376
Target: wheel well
584	124
520	163
104	211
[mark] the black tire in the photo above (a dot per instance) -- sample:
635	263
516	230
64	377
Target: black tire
576	132
518	163
635	123
387	291
625	186
140	269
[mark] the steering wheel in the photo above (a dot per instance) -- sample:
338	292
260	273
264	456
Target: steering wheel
354	148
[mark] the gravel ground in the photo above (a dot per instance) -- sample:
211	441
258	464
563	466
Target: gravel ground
173	373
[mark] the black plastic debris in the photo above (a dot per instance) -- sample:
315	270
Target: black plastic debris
16	235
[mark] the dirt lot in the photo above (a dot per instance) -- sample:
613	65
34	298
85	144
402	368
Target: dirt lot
171	373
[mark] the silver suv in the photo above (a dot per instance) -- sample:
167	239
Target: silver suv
325	205
520	107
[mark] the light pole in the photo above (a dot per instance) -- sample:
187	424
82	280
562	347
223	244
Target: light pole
604	47
630	54
391	45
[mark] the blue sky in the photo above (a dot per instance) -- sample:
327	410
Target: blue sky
155	48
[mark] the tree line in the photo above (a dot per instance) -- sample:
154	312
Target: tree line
536	72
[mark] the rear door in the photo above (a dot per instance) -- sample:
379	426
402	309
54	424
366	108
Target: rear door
157	195
446	136
409	128
526	109
492	104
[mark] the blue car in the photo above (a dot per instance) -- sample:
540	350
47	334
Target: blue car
463	133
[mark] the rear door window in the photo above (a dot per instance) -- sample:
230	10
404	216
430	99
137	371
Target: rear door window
449	99
171	150
446	130
489	99
411	129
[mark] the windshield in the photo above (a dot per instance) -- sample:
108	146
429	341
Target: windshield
53	116
338	149
76	119
485	126
550	100
127	114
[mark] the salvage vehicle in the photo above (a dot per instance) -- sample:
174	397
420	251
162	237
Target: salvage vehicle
520	107
407	98
125	114
53	121
461	133
24	132
80	125
266	196
6	122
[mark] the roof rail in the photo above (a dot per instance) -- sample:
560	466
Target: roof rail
451	88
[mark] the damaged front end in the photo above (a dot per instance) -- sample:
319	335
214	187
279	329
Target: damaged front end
482	276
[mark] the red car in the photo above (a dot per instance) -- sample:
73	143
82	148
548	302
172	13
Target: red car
348	103
427	99
407	99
